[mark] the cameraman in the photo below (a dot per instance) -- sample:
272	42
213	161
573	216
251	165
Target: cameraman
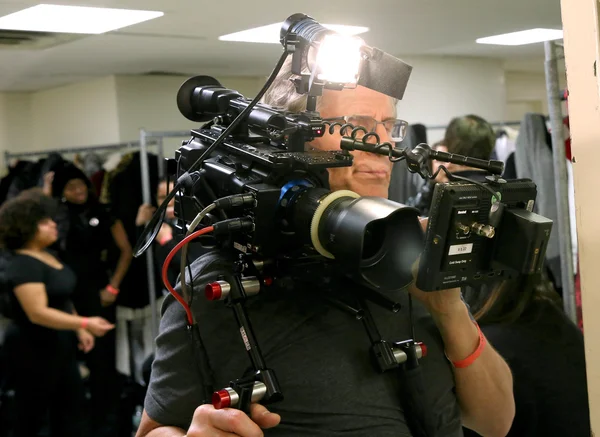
320	354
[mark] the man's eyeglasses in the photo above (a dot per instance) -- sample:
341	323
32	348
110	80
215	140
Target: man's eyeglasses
395	128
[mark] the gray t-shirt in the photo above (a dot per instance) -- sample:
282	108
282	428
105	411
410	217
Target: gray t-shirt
319	353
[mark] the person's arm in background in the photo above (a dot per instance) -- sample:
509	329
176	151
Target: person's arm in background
126	254
122	242
33	299
86	339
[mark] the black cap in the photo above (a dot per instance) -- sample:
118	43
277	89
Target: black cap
63	175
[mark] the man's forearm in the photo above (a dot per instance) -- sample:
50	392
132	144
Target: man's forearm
485	388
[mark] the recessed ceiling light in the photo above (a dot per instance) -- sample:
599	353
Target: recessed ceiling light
523	37
74	19
270	34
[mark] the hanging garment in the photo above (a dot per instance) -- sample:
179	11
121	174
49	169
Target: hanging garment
125	189
112	161
533	160
7	180
124	161
92	163
404	184
97	180
135	339
505	144
28	177
52	163
510	170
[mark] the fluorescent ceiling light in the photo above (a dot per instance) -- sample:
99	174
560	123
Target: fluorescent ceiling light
74	19
523	37
270	34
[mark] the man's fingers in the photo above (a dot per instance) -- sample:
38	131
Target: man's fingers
263	417
234	421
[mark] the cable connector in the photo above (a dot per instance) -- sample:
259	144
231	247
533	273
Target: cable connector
235	201
242	224
188	180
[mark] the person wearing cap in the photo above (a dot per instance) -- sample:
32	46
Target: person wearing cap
87	233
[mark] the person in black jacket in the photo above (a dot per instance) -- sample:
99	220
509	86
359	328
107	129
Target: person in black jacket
545	351
86	233
41	343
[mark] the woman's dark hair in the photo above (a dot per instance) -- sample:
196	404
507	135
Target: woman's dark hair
513	300
19	219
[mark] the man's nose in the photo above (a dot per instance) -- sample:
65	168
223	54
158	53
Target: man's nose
384	135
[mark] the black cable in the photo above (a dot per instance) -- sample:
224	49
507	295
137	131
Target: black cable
242	114
186	261
153	227
453	177
151	230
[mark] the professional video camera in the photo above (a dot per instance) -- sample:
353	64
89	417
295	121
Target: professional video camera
246	179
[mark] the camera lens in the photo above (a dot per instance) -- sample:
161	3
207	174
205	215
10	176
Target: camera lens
373	239
370	237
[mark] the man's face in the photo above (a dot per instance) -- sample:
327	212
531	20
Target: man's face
370	173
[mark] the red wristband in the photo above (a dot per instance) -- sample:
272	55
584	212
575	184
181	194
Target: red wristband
112	290
84	323
471	358
165	240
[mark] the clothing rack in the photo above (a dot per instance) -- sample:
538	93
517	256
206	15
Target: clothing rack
495	124
131	144
145	138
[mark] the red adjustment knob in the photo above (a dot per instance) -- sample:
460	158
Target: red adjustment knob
268	281
213	291
423	349
221	399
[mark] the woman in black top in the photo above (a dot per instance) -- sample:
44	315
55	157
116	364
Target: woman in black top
86	235
42	342
522	319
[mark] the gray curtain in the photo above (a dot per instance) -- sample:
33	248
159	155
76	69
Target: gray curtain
533	160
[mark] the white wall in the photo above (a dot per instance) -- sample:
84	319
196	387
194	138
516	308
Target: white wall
441	88
526	92
149	102
75	115
113	109
16	127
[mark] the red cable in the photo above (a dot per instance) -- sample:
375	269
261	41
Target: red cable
167	262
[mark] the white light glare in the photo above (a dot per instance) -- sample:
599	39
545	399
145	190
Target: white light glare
523	37
270	34
339	59
74	19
